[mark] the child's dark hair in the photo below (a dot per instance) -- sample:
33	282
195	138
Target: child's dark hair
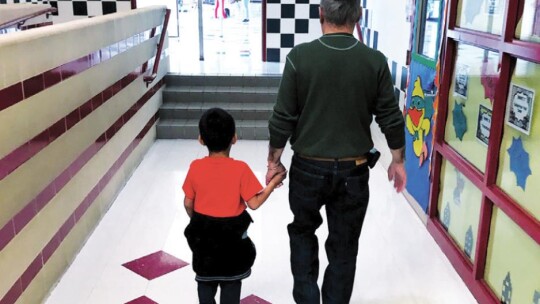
217	129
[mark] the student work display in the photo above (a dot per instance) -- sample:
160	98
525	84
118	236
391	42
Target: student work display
513	257
481	15
459	208
470	103
513	263
519	165
484	207
528	28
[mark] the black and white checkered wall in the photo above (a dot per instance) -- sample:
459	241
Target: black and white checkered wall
69	10
370	37
288	23
399	78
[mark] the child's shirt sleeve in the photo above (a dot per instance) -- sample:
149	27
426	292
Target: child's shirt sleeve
249	184
188	188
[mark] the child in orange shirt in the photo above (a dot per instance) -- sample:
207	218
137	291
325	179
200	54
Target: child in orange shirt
217	189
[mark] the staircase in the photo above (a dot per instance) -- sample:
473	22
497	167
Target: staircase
249	99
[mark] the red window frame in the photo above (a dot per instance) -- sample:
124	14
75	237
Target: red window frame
509	48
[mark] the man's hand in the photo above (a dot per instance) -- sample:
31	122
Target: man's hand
396	172
273	170
274	164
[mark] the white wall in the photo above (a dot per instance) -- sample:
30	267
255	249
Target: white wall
170	4
387	20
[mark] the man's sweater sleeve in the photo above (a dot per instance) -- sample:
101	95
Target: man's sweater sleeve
387	113
285	115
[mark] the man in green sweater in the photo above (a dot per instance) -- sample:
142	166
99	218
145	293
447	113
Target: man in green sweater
330	91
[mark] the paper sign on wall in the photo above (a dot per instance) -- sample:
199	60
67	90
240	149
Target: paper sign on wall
519	108
483	127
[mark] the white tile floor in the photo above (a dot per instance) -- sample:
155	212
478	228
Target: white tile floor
398	261
231	47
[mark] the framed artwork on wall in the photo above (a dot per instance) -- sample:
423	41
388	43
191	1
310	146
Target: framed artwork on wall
462	80
483	127
519	109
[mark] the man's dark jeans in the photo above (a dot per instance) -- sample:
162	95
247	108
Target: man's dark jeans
342	187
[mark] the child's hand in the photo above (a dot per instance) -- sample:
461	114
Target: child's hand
277	180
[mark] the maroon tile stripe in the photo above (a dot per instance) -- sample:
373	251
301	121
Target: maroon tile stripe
41	259
32	26
20	91
31	86
28	212
20	155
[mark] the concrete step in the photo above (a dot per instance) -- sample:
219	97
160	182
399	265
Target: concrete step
189	129
194	110
219	94
249	99
220	80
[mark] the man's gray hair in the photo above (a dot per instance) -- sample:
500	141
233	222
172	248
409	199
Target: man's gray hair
341	12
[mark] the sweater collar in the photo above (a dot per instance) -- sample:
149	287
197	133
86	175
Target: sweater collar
338	34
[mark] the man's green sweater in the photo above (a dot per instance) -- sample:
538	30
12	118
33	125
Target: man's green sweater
330	91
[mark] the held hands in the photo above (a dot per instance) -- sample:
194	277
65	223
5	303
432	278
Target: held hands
276	174
277	180
396	172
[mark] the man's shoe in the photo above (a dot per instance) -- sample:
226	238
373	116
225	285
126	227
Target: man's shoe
245	20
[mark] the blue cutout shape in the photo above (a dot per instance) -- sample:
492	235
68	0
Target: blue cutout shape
506	297
460	185
536	297
469	239
446	217
460	121
519	162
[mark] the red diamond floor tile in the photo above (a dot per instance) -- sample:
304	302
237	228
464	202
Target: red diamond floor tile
253	299
155	265
142	300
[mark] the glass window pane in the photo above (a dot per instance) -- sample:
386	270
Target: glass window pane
481	15
430	21
469	103
513	262
528	27
519	165
459	208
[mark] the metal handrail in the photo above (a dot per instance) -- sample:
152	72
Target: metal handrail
21	20
149	78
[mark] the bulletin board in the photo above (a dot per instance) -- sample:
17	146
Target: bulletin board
481	15
512	264
459	208
528	27
519	168
486	143
471	98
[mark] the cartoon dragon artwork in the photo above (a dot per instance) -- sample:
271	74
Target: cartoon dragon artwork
418	120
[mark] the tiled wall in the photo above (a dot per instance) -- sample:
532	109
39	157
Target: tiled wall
69	10
75	120
289	23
